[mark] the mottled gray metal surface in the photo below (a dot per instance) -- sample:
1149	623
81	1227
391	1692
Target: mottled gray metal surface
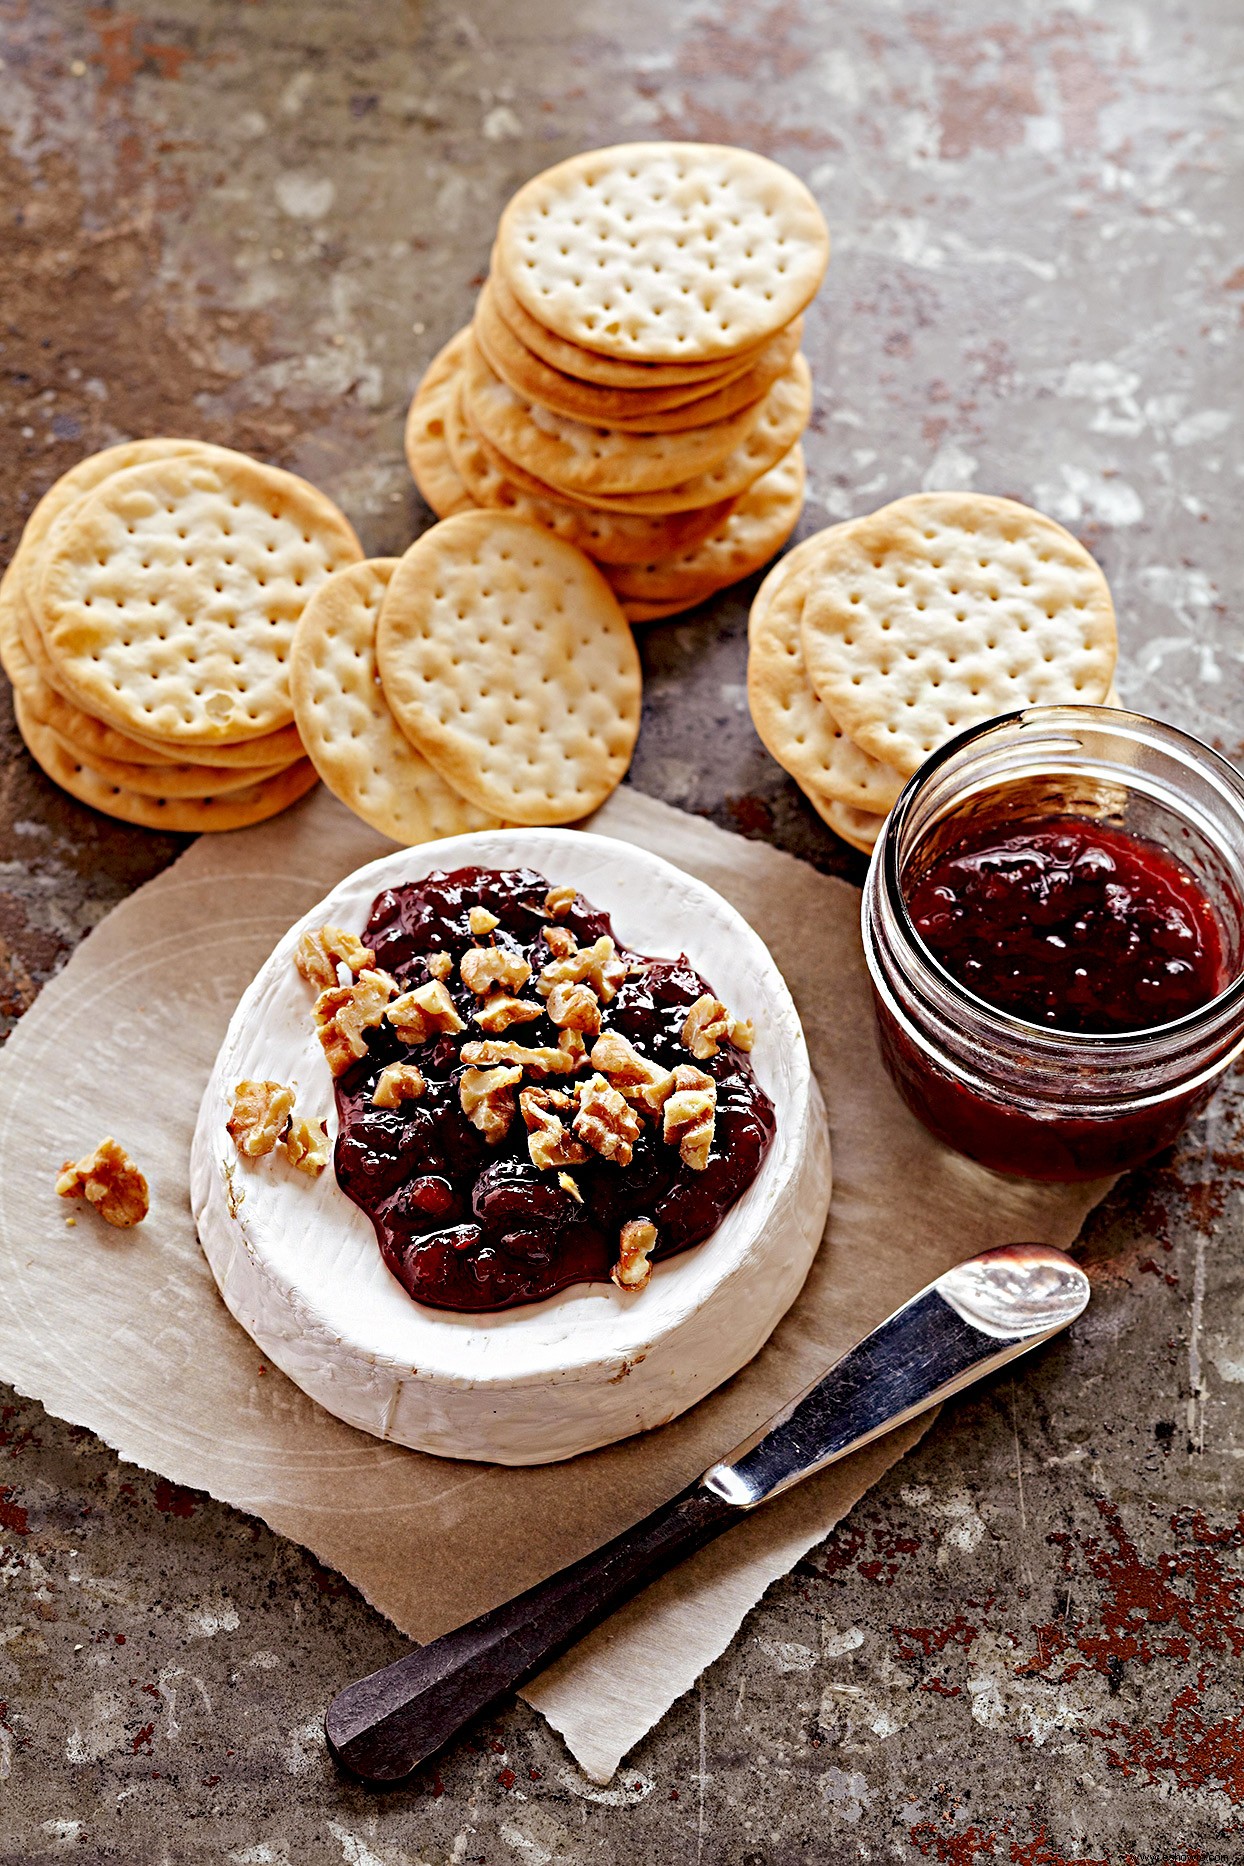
256	221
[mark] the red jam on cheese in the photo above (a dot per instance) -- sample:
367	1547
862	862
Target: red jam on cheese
469	1222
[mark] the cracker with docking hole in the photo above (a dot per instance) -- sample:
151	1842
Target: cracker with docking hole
757	526
82	729
169	595
507	661
663	251
608	537
860	828
793	723
570	456
167	781
687	405
607	371
238	809
783	417
349	731
427	452
944	609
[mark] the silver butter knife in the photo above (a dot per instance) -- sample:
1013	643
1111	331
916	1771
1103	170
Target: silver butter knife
971	1321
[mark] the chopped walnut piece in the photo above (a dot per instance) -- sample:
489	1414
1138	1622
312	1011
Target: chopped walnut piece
306	1147
261	1112
549	1142
425	1012
559	901
481	921
497	1013
109	1180
571	1041
574	1007
344	1012
709	1023
318	954
690	1116
439	964
570	1185
635	1076
560	941
541	1062
486	966
635	1245
606	1122
487	1098
398	1083
597	965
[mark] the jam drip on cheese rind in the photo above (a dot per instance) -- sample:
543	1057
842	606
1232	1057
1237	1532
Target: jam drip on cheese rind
468	1221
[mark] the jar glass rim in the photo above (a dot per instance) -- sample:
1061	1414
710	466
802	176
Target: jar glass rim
1004	1022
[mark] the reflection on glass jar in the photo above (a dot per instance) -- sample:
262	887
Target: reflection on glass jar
1054	925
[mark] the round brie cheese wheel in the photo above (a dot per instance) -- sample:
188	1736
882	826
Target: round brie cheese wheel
298	1263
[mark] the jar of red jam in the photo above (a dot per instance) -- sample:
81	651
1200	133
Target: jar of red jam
1054	925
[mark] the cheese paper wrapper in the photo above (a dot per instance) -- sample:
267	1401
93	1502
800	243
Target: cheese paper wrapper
137	1345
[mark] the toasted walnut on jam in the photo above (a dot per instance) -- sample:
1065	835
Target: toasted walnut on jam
486	966
560	941
635	1246
571	1043
690	1115
306	1146
481	922
549	1141
426	1012
569	1184
606	1121
344	1012
574	1007
541	1061
497	1013
559	901
109	1180
487	1100
709	1024
317	955
261	1111
634	1076
597	965
398	1083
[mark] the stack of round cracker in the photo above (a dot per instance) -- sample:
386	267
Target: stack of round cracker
487	677
631	379
146	624
875	641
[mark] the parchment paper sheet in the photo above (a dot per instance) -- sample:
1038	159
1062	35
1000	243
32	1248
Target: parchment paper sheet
123	1332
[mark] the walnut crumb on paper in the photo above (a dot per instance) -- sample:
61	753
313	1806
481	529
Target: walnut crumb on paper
109	1180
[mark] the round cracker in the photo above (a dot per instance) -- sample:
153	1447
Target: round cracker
349	731
757	526
239	809
606	371
645	410
171	780
507	661
664	251
794	725
572	457
427	453
611	538
782	419
170	594
860	828
945	609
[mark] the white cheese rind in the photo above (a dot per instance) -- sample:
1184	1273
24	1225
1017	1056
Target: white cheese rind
298	1264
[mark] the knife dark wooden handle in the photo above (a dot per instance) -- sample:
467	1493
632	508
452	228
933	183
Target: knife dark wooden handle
385	1725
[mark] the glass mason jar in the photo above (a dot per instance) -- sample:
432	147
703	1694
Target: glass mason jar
1017	1096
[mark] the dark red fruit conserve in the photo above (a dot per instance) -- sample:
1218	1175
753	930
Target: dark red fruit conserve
1071	924
465	1224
